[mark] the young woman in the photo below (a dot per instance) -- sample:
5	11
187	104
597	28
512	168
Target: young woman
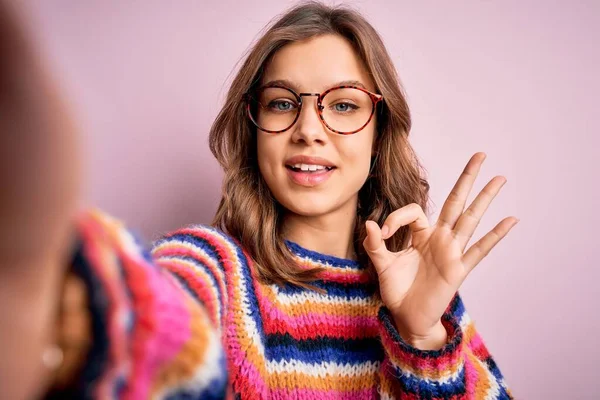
321	276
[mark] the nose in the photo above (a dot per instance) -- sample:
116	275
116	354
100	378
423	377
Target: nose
309	128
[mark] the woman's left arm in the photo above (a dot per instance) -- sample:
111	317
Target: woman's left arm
432	347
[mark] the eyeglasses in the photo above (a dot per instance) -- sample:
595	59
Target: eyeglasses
343	109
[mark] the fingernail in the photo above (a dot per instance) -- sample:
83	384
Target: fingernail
385	230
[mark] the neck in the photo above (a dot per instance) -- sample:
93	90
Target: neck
330	234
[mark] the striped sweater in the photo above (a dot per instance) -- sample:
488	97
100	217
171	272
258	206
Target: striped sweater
190	320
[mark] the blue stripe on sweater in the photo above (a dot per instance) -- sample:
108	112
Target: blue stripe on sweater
280	347
427	389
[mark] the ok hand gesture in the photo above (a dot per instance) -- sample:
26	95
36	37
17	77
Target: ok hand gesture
418	283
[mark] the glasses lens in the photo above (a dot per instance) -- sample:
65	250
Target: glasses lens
347	109
274	109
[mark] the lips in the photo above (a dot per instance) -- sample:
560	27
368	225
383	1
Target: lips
309	161
309	171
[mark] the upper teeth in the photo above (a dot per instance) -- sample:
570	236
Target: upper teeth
309	167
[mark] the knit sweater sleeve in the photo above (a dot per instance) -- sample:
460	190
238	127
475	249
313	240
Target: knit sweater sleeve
462	369
155	315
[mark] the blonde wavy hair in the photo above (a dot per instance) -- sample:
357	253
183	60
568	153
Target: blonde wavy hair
247	210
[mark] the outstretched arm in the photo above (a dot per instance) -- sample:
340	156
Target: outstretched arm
128	324
38	199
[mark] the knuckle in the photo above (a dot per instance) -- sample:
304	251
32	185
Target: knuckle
391	219
483	251
469	213
453	196
487	192
415	207
495	234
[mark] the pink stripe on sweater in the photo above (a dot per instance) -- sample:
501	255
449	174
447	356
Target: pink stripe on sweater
275	320
345	277
471	377
442	364
311	394
245	375
159	343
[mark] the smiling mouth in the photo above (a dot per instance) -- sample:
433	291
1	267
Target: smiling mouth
309	168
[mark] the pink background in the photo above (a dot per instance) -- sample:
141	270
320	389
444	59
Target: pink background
518	80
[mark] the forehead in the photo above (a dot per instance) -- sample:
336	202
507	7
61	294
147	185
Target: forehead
317	64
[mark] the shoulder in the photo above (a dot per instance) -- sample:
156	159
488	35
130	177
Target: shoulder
199	241
99	230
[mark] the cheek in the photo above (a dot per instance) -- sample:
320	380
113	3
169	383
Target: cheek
261	151
361	165
357	157
269	154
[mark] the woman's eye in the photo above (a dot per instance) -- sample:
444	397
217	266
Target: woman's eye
281	105
344	107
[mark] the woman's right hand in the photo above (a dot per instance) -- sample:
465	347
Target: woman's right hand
38	201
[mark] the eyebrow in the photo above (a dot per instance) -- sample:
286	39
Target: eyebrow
292	85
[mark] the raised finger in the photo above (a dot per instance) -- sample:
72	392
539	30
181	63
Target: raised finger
469	220
455	203
482	248
411	215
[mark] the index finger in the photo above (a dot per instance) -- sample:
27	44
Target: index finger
375	247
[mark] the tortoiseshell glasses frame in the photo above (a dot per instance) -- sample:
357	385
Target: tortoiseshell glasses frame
375	99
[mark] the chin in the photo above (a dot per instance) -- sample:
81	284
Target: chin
309	209
313	204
